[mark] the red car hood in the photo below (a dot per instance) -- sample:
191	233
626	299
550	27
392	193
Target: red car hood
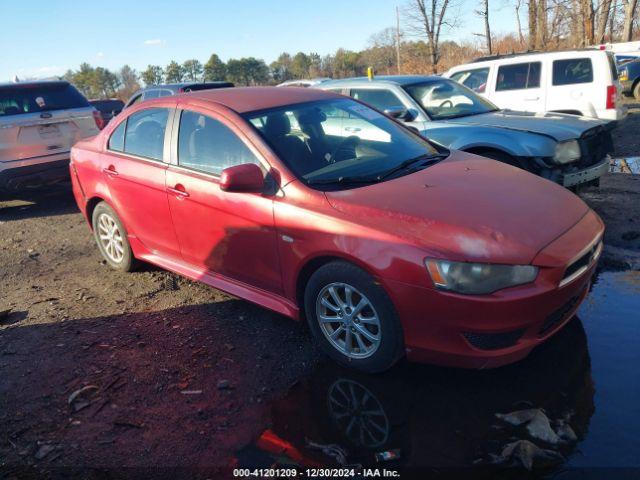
471	210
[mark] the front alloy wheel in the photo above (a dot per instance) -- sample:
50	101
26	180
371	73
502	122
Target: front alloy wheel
348	320
353	318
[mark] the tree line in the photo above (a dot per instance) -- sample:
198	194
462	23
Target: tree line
414	45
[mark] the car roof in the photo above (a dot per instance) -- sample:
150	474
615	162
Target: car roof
250	99
33	83
178	86
526	55
389	79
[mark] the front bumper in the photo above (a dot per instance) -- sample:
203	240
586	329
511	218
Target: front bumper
20	175
488	331
586	174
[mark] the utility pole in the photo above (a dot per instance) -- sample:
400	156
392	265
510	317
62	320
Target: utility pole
398	39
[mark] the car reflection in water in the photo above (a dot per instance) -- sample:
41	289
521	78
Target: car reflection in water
429	417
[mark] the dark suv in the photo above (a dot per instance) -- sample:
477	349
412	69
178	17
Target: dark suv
108	108
155	91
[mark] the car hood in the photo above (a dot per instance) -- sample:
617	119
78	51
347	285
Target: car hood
558	126
466	208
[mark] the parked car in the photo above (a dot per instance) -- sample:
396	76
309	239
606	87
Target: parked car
579	82
39	122
307	82
386	246
630	78
566	149
108	108
166	90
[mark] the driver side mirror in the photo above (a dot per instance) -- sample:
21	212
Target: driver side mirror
399	113
247	177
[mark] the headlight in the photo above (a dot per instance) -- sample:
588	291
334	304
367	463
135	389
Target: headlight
567	151
478	278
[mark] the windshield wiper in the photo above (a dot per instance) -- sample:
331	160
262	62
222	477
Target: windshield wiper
428	158
343	180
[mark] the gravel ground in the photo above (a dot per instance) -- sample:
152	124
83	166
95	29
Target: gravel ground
106	369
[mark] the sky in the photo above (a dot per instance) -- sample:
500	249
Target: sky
46	37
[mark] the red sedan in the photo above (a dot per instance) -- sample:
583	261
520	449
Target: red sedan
384	242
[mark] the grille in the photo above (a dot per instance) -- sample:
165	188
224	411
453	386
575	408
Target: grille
559	315
595	144
493	341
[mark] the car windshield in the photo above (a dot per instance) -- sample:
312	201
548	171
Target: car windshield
444	99
341	143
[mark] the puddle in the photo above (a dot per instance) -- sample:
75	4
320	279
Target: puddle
625	165
426	417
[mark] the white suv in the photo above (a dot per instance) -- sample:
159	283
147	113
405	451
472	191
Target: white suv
579	82
39	123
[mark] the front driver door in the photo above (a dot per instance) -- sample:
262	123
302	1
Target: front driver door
228	233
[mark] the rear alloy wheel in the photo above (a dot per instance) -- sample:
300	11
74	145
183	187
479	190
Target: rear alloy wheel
352	318
111	238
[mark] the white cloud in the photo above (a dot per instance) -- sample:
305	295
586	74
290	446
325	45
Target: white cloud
39	72
154	41
100	54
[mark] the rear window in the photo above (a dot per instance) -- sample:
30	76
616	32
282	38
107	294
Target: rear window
571	71
21	99
519	76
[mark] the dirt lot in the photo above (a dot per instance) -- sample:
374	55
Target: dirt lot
105	369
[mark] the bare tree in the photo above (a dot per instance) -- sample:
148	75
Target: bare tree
603	19
587	16
629	16
520	35
428	18
541	28
533	23
484	13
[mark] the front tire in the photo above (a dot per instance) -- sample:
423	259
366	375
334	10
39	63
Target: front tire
352	318
111	238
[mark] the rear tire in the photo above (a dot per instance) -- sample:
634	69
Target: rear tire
111	238
636	91
352	318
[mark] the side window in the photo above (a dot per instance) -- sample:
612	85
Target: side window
574	70
380	99
116	140
476	80
207	145
518	76
145	133
165	93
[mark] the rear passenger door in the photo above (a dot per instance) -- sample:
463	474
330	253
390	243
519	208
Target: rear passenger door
518	86
134	170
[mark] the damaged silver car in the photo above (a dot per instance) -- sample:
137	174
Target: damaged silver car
567	149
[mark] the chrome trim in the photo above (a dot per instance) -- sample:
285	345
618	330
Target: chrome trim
578	273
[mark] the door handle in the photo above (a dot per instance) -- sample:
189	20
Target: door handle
178	190
111	171
532	99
